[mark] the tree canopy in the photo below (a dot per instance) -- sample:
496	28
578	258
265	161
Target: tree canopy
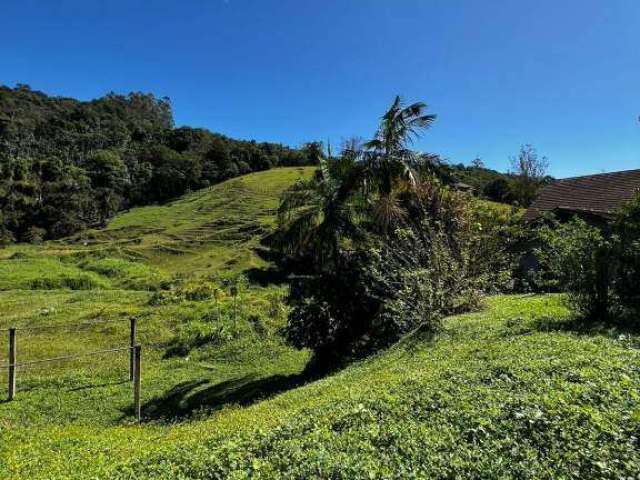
66	164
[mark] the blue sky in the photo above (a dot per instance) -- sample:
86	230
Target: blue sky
563	75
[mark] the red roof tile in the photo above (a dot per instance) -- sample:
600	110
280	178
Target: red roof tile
599	194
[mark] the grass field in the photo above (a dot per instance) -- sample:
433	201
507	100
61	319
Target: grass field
515	390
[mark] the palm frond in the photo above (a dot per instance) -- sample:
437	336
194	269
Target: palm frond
300	194
413	110
387	212
295	236
374	144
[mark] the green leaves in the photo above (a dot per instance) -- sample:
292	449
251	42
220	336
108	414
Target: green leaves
599	267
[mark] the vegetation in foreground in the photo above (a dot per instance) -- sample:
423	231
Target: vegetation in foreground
519	389
511	391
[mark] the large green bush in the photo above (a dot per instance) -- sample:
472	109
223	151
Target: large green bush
598	266
383	246
577	258
388	285
627	280
497	245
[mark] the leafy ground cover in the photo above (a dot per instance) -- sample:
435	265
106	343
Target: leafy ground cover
514	390
511	391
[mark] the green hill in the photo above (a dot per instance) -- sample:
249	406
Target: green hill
515	390
210	231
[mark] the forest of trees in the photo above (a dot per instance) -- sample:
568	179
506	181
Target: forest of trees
66	164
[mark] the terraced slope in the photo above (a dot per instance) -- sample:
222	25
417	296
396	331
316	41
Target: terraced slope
171	267
212	229
209	232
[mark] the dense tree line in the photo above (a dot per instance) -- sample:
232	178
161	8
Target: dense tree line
66	164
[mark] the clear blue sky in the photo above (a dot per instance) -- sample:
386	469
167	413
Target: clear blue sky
563	75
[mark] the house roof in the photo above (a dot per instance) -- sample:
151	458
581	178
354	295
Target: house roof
462	186
598	195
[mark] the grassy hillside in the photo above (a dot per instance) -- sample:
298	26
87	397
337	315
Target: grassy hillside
204	233
170	266
211	230
510	391
515	390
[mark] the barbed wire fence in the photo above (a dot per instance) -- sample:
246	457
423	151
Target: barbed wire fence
16	336
13	365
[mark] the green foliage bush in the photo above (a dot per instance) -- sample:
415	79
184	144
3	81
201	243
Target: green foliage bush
599	267
497	245
576	257
498	190
383	246
627	280
199	291
389	285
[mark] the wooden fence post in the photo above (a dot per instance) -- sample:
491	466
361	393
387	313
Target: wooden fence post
133	331
12	363
137	371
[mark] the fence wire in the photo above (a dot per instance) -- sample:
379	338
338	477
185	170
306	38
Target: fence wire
65	327
67	357
31	364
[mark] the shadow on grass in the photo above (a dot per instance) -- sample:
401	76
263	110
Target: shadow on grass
265	252
266	276
279	270
185	399
416	339
553	324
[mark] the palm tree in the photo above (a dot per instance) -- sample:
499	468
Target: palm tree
388	155
314	214
389	158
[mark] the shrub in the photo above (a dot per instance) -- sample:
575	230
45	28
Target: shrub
384	247
627	280
496	245
163	297
198	292
498	190
390	284
599	268
580	260
35	235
